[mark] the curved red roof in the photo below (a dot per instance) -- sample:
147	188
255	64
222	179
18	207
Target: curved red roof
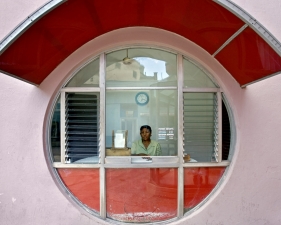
48	41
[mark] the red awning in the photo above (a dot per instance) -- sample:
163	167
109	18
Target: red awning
48	41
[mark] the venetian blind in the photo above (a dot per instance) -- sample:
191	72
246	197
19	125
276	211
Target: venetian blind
201	126
81	126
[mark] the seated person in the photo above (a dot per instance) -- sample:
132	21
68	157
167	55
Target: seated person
146	146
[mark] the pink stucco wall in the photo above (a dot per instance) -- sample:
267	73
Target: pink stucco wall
250	193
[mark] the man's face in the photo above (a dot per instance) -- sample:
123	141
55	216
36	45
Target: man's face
145	134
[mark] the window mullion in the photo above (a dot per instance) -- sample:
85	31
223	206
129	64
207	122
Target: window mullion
180	136
219	99
102	137
62	124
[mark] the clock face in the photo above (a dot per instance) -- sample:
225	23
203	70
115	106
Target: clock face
142	98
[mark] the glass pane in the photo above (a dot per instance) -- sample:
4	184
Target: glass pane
199	126
88	76
195	77
82	127
55	133
141	195
198	184
130	109
84	184
140	67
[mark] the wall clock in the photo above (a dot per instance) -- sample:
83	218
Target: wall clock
142	98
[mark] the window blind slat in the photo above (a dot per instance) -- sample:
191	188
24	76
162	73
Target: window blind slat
200	118
82	126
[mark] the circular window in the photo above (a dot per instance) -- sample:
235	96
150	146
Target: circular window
140	135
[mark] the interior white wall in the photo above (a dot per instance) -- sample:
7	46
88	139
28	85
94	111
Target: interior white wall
250	193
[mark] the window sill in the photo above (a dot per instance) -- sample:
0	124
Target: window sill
128	162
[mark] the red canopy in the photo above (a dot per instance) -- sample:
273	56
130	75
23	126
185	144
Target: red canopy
49	40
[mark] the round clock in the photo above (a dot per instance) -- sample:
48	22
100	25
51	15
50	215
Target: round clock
142	98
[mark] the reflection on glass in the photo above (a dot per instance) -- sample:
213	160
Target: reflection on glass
141	68
87	76
55	133
124	111
141	195
195	77
198	184
200	126
84	184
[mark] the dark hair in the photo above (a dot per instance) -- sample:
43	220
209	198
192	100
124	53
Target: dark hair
147	127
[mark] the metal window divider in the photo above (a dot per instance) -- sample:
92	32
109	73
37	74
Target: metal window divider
62	124
102	137
219	100
180	196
